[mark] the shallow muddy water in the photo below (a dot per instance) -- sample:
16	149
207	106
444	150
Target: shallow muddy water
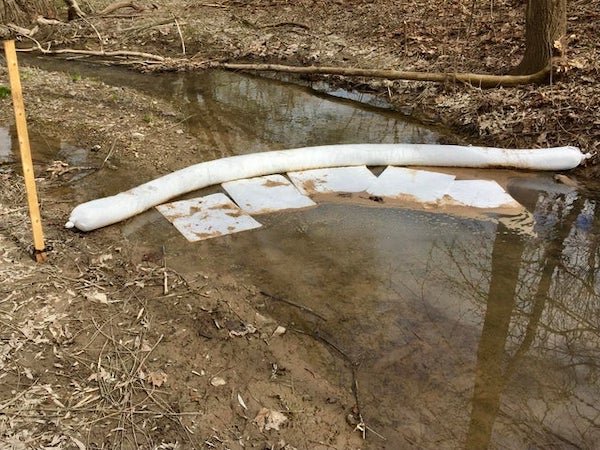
463	333
238	114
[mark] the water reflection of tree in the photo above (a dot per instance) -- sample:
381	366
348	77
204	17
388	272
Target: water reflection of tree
241	114
540	310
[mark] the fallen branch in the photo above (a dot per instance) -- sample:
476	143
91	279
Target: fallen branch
116	53
23	31
146	26
44	21
479	80
474	79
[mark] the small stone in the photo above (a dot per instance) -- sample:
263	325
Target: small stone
279	331
351	420
218	381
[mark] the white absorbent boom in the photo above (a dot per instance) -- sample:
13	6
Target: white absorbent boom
109	210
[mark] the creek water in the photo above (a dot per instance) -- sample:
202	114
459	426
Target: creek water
463	333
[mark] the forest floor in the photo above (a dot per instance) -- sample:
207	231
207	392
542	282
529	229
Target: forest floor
95	352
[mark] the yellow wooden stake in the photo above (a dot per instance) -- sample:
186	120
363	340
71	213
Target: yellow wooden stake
28	175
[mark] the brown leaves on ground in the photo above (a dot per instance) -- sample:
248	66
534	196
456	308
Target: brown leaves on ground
157	378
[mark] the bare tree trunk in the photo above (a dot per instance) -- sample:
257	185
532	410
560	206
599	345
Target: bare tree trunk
23	12
545	24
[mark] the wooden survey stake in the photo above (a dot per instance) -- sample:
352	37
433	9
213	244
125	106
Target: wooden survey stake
28	175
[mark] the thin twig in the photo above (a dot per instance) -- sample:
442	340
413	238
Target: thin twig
165	279
100	40
286	24
294	304
361	426
213	5
4	405
180	37
109	153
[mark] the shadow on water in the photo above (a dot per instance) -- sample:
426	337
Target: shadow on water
45	148
465	334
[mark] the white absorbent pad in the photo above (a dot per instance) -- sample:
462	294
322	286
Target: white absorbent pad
480	194
335	179
418	185
207	217
266	194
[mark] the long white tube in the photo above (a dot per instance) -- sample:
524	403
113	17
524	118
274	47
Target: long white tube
108	210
